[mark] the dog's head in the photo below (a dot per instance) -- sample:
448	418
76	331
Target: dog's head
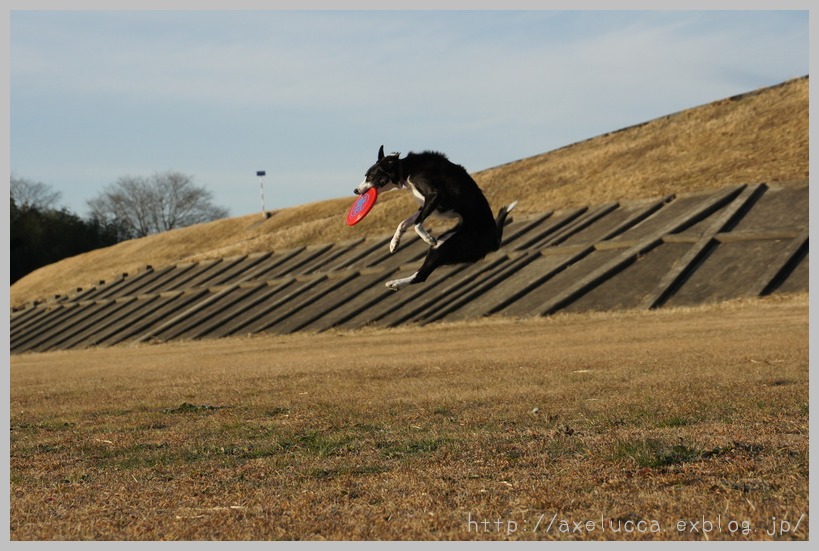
385	174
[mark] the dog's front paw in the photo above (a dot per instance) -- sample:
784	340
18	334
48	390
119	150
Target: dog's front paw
428	239
425	235
394	243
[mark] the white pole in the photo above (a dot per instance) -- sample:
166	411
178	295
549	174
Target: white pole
261	174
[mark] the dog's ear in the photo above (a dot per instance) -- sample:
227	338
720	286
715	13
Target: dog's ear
380	152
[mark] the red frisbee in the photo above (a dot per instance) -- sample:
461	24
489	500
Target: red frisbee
362	206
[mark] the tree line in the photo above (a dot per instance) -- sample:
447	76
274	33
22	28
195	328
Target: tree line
134	206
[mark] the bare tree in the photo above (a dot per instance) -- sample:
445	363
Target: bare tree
27	194
160	203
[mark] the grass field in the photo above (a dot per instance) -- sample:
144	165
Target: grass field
671	424
677	424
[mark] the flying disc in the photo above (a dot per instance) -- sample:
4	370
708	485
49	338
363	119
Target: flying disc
362	206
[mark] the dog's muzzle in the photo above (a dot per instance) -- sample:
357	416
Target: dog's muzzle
363	187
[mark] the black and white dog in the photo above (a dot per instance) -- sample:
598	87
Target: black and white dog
443	188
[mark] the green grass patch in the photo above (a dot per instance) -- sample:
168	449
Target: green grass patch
347	470
393	449
676	421
654	453
566	446
186	407
317	443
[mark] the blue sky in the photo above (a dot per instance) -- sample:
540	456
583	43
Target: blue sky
309	96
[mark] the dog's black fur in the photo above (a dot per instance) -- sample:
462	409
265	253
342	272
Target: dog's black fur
441	187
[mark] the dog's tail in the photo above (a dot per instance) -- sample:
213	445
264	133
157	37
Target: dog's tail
500	221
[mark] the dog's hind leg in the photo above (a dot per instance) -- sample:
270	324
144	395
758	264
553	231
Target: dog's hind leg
399	231
421	275
431	261
397	284
454	250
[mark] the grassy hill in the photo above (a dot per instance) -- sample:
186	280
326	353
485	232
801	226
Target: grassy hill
761	136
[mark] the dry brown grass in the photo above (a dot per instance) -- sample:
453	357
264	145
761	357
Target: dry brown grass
408	433
759	137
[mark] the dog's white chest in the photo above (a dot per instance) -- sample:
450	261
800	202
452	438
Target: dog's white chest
419	198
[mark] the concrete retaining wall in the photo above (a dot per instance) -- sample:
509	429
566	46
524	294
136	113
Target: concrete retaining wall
739	241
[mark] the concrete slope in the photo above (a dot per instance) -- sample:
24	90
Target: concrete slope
738	241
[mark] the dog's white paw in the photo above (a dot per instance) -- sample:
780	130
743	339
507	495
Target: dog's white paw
428	239
398	284
395	285
394	243
424	234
